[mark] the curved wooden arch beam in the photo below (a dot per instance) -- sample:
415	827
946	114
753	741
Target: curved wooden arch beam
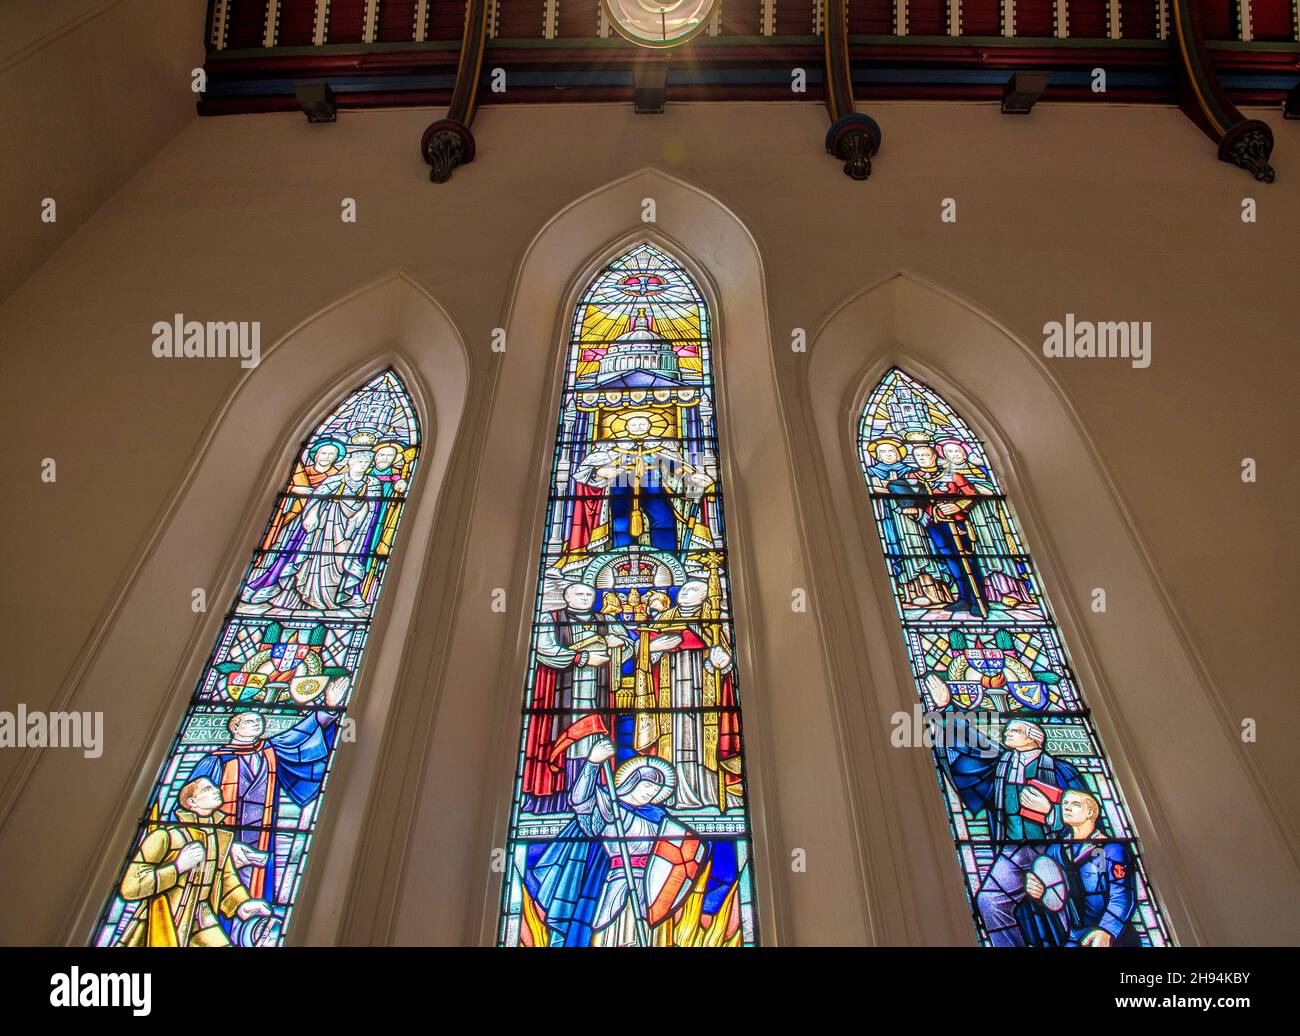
1244	142
853	137
448	142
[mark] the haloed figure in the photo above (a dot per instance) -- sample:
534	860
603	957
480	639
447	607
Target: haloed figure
692	667
579	656
595	883
943	516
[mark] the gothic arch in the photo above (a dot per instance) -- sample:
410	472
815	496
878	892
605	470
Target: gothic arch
1151	697
791	776
204	536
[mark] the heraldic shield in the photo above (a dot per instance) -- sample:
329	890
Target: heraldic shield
670	873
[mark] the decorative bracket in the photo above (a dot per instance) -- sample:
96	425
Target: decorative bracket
650	82
448	143
1242	142
853	137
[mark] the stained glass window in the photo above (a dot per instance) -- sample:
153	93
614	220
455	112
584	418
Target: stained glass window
629	825
219	855
1047	849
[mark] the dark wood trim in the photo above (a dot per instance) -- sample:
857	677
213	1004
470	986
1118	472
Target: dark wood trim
1247	143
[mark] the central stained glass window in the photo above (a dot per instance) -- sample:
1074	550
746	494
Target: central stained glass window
629	825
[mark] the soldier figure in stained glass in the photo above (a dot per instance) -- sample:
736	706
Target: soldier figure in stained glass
184	875
956	459
614	891
922	581
1099	893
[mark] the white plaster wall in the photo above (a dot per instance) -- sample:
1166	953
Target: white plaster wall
89	91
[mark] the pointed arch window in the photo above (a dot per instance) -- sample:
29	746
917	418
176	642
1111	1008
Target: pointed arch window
1046	845
218	857
629	824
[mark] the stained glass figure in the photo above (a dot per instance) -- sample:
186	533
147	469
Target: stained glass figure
1046	846
629	825
219	855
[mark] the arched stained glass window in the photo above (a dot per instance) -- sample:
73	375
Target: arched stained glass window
1046	845
219	855
629	824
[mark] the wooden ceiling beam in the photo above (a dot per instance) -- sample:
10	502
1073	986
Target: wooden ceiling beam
853	137
448	143
1243	142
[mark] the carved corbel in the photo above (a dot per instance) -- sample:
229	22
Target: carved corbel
448	143
853	137
1243	142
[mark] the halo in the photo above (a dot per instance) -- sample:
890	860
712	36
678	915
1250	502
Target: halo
638	762
658	424
309	454
966	447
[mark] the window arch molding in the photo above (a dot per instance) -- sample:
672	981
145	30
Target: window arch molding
228	487
720	252
1081	535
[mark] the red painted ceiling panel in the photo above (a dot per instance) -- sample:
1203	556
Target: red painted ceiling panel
871	17
1218	19
794	17
447	20
981	18
297	23
1035	18
346	22
578	18
1138	20
927	18
521	19
245	23
742	17
1272	19
396	21
1088	19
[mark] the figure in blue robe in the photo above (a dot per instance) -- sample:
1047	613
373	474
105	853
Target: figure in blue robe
253	772
580	880
991	779
1099	895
